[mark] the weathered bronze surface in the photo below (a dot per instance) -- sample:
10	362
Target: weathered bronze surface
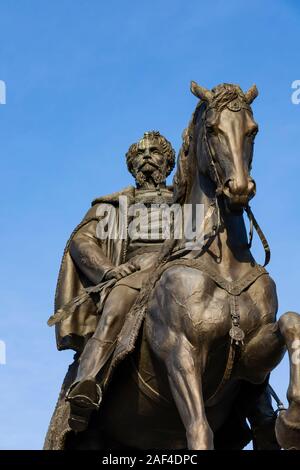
174	346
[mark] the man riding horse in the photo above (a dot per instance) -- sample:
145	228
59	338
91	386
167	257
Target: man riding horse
88	320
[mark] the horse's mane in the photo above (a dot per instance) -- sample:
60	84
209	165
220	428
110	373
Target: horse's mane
182	177
222	95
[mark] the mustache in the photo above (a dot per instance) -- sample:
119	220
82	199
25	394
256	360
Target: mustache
148	163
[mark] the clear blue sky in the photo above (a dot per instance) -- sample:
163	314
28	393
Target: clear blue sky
85	79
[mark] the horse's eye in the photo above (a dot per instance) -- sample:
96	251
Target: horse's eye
252	132
211	129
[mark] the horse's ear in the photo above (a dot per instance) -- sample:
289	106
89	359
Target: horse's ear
200	92
251	94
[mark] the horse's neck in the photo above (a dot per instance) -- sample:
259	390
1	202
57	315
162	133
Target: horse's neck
228	251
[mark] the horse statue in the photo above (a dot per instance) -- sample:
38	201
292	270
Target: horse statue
208	326
221	295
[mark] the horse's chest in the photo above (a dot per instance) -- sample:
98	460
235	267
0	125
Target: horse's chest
210	308
207	309
258	304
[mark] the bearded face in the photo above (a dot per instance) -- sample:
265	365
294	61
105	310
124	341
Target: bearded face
150	163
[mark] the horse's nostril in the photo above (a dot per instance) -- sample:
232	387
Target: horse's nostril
251	186
234	186
240	187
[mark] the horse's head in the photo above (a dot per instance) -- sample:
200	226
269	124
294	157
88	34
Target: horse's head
224	137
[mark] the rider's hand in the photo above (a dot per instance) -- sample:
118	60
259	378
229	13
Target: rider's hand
121	271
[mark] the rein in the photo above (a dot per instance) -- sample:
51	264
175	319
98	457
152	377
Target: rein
265	244
219	190
211	155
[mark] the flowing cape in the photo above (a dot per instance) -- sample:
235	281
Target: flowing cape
74	331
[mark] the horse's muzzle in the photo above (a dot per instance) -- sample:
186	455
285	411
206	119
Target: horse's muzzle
239	192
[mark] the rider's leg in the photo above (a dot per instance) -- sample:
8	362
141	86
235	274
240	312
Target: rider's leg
101	345
256	405
84	394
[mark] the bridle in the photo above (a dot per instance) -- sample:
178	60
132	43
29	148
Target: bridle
219	192
211	155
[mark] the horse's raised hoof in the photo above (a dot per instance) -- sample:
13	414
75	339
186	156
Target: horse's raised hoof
84	397
288	430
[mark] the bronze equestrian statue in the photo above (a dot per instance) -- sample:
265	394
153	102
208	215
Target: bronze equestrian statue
187	367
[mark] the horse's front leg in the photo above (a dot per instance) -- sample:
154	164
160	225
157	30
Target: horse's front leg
174	339
184	366
184	371
288	422
262	354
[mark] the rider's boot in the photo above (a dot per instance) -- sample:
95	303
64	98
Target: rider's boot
85	394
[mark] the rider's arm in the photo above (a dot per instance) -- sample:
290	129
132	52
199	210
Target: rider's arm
87	254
